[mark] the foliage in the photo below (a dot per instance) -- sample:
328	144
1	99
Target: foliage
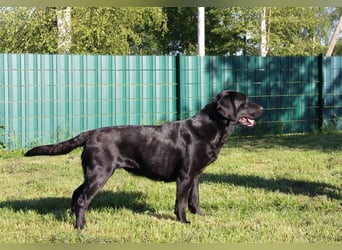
298	31
28	30
94	30
338	48
2	143
182	31
289	31
236	30
265	189
233	31
117	30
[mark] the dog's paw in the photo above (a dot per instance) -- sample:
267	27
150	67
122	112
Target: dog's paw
196	210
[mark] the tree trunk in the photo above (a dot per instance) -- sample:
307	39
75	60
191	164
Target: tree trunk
64	30
263	41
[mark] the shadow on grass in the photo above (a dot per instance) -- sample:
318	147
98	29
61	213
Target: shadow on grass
58	206
134	201
283	185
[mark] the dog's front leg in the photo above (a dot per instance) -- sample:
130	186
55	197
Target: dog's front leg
183	189
194	197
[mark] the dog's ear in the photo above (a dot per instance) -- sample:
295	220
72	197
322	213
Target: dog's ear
226	107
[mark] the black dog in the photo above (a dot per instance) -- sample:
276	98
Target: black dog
178	151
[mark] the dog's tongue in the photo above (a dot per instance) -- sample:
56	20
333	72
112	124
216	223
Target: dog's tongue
247	122
252	122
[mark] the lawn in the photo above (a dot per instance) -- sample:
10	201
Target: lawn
261	189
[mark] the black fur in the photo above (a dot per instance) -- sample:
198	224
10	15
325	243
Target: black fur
177	151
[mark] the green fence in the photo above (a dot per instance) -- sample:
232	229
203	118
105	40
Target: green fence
48	98
286	86
332	93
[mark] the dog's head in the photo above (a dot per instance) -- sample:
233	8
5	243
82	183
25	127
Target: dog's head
234	106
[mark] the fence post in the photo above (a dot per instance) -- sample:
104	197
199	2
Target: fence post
320	91
178	88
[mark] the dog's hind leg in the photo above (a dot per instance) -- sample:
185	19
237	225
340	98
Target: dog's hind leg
77	205
85	193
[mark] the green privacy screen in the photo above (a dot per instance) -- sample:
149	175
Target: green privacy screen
48	98
332	93
287	87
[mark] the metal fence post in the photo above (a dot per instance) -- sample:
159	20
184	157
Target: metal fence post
178	88
320	83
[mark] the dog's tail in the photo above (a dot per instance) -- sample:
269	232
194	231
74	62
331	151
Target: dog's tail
59	148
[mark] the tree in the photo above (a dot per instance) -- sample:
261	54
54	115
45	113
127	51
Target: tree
226	31
125	31
298	31
117	30
263	33
182	31
26	30
237	31
93	30
64	29
338	48
231	31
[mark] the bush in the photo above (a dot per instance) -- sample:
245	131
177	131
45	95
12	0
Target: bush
2	133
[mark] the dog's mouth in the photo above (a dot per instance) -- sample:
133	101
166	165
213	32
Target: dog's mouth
244	121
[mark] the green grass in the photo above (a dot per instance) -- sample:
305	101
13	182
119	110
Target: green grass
261	189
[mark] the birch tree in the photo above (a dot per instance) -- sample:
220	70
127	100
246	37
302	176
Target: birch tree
63	17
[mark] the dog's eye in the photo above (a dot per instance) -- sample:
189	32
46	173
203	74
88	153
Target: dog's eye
243	105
